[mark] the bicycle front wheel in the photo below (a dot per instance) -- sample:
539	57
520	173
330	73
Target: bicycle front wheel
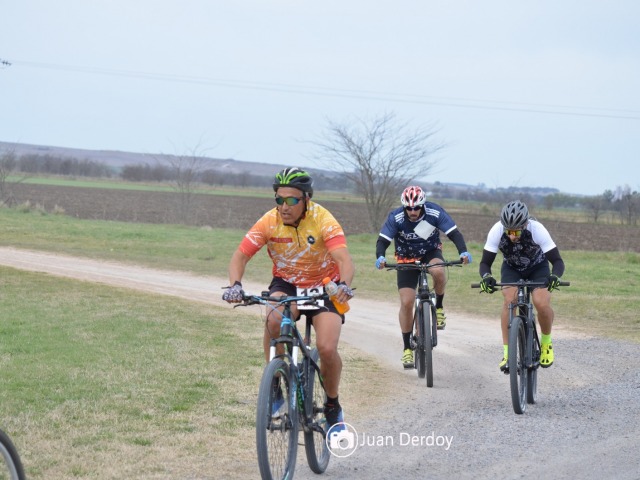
10	465
315	444
532	374
428	321
517	364
419	326
276	422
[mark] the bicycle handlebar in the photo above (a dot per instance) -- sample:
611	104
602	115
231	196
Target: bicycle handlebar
523	283
420	266
264	298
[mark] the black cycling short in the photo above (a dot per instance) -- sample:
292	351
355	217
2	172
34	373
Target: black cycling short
280	285
409	278
539	273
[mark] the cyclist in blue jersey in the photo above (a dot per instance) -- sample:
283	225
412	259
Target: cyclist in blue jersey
527	249
415	230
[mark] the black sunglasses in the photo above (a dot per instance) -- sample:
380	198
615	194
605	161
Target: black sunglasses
291	201
413	209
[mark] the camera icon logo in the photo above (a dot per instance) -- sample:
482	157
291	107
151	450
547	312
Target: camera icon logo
342	439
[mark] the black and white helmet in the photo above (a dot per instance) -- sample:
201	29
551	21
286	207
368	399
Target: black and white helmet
515	215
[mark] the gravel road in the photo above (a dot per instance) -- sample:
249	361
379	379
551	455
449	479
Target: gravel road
586	423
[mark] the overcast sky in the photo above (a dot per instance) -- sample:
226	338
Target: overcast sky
529	93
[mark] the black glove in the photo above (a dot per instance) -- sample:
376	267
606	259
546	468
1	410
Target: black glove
488	284
553	282
233	294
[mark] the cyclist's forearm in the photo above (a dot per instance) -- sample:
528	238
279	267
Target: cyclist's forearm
347	269
381	247
237	266
458	240
557	263
486	262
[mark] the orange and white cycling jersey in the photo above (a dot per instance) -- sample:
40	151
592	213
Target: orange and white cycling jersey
300	254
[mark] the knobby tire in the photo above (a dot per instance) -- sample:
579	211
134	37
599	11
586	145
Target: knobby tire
429	322
11	466
419	326
532	375
315	444
276	436
517	364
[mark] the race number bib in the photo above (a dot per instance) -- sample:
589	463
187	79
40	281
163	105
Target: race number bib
301	304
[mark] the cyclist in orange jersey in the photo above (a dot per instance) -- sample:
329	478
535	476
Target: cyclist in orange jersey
306	244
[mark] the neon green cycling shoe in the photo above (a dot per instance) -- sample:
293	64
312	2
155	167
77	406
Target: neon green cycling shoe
407	358
504	365
441	318
546	355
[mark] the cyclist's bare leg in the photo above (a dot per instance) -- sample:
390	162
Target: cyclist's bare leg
541	298
327	326
509	295
405	316
439	277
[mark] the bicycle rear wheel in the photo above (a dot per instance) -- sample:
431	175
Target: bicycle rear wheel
517	364
429	322
10	463
276	422
315	444
419	327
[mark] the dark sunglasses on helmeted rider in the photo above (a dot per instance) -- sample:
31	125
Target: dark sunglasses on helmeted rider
291	201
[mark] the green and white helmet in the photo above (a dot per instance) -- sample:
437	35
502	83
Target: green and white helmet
295	178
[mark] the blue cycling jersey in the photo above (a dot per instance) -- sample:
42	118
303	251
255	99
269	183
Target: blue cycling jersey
413	240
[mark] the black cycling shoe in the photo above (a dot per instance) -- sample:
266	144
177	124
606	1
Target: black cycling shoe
333	414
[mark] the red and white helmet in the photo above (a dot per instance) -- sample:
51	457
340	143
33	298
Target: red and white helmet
413	196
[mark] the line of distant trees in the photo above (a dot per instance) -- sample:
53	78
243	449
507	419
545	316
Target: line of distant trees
623	202
47	164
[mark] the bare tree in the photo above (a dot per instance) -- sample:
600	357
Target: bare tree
380	157
595	205
628	204
8	164
186	171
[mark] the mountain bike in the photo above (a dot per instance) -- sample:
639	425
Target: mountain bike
10	463
425	323
524	344
291	394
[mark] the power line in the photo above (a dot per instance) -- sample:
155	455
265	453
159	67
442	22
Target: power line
456	102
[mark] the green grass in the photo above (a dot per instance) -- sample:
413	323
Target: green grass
93	371
101	382
602	299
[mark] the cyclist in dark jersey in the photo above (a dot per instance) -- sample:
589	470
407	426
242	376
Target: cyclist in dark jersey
527	250
415	230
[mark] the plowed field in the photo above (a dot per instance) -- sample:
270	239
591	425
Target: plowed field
241	212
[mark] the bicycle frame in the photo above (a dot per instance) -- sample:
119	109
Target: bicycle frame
426	340
291	339
523	307
424	292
